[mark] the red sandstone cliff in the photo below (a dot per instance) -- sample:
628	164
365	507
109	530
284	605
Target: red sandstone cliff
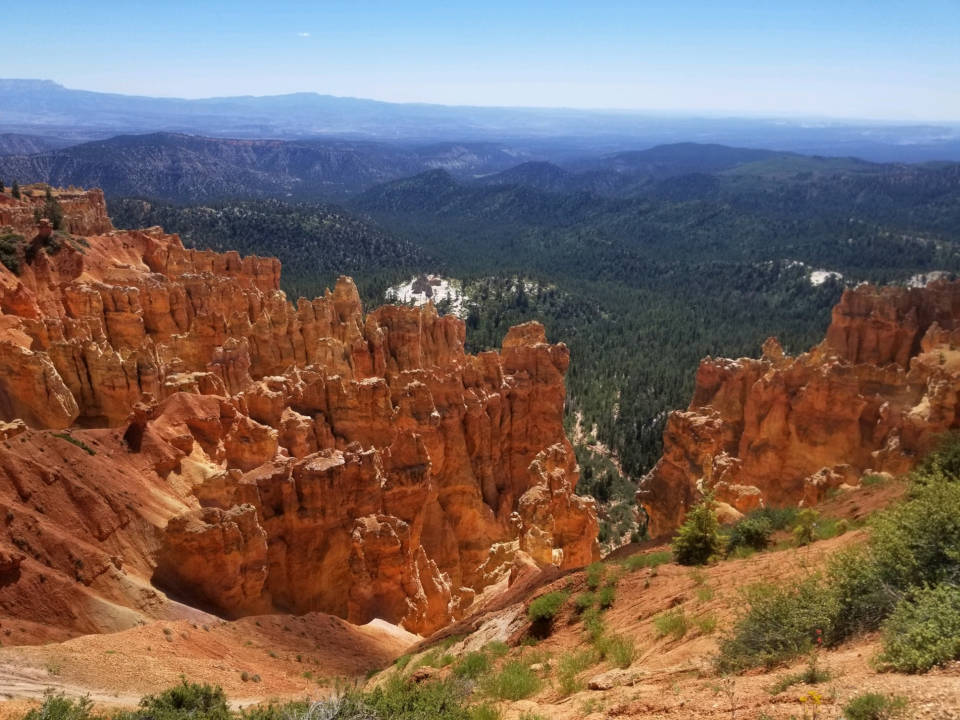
782	431
84	211
247	454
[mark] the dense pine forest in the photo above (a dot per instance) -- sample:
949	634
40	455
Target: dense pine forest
642	274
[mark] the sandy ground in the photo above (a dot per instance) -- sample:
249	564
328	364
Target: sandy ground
281	656
672	679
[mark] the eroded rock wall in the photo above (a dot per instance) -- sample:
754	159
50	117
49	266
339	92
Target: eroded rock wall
784	430
311	456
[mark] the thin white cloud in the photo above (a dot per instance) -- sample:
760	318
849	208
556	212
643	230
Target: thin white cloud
303	34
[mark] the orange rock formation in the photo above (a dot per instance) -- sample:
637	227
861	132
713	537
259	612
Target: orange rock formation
782	431
248	455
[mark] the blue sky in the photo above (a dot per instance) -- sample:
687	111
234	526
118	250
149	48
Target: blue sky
843	58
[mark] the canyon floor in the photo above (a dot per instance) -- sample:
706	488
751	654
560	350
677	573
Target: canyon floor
260	658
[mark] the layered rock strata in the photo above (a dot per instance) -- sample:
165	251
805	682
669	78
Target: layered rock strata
783	430
295	457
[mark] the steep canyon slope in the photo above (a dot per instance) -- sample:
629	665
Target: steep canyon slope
172	424
780	430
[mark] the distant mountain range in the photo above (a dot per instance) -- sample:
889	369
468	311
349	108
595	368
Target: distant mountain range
189	168
186	168
42	107
20	144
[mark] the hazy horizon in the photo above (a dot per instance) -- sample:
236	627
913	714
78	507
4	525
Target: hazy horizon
709	113
848	60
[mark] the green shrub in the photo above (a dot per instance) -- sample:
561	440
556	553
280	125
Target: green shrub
779	518
706	624
778	624
10	249
400	699
74	441
272	711
449	641
923	631
648	560
813	674
805	531
545	607
913	548
472	665
595	573
593	624
496	648
912	545
606	596
863	598
186	701
673	623
942	464
620	650
698	539
874	706
401	662
583	602
570	666
753	531
918	542
484	711
435	659
60	707
514	681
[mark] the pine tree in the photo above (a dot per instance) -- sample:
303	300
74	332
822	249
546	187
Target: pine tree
52	210
2	188
698	539
15	189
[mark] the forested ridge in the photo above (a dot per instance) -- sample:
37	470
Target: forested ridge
641	285
315	242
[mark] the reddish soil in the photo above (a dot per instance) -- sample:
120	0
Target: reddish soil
673	678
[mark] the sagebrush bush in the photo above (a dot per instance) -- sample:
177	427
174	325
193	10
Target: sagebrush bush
273	711
583	602
942	464
496	648
863	598
483	711
805	531
923	631
698	540
545	607
400	699
753	531
606	597
706	624
186	701
514	681
593	624
60	707
778	624
472	665
570	666
619	650
648	560
595	573
912	546
674	623
874	706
